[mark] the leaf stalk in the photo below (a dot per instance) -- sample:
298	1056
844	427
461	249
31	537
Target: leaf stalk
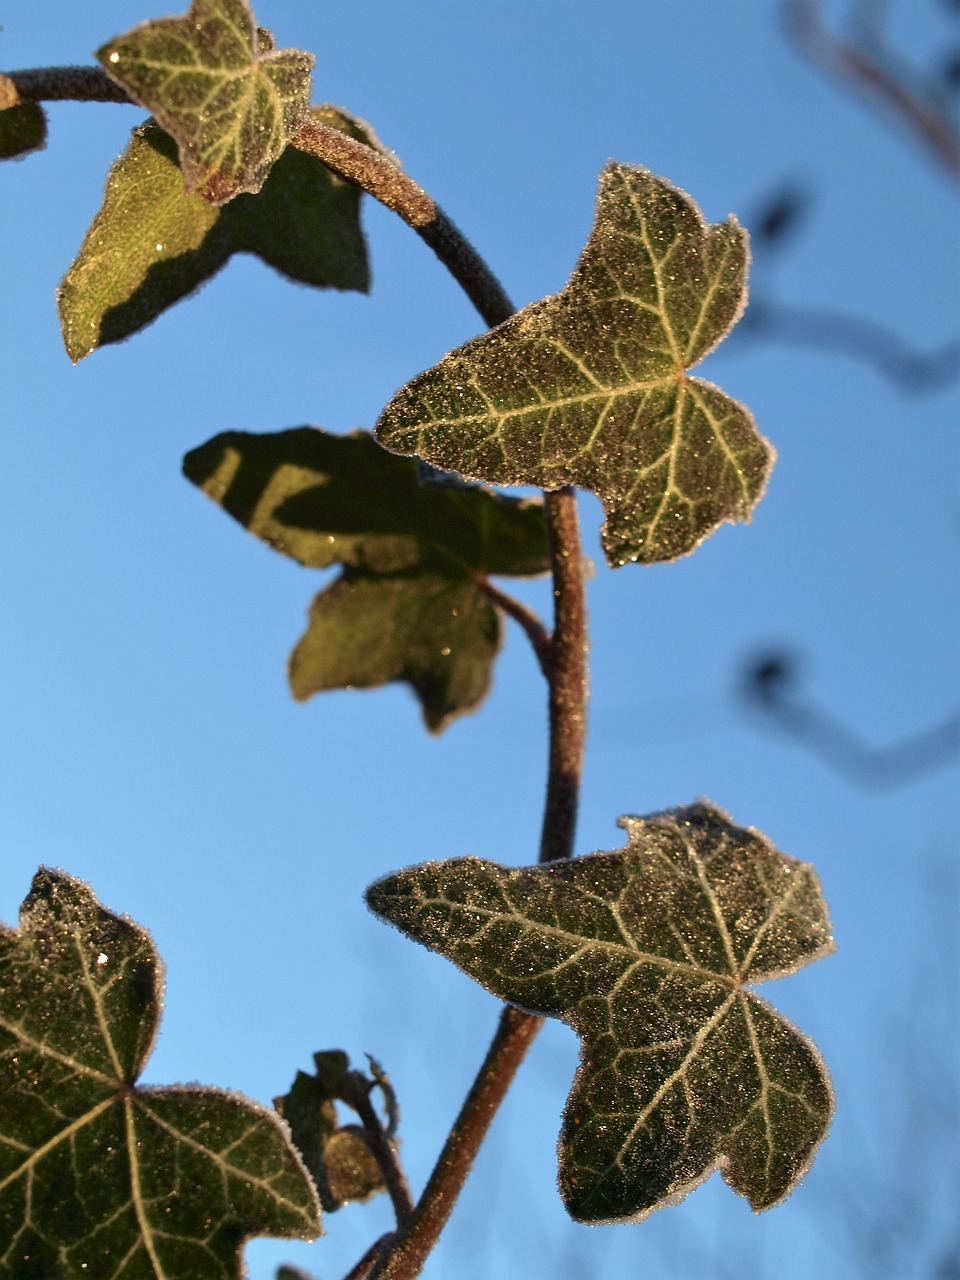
562	656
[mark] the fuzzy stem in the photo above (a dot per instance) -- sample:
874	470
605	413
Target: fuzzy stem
536	632
406	1255
401	1256
568	678
59	84
564	665
356	1092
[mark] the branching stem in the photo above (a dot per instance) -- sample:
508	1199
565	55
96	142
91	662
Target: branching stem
356	1092
563	657
537	633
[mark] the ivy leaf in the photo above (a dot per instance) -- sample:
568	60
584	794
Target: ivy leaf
152	243
590	387
215	82
647	953
409	604
97	1176
338	1158
23	128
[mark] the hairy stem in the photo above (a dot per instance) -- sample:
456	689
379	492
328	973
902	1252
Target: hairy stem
362	1269
383	178
563	659
406	1255
563	655
356	1093
59	84
567	679
536	632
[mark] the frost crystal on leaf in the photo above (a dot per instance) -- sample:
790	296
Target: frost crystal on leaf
647	952
98	1177
590	387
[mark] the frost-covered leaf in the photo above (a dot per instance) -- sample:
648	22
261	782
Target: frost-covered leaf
407	605
215	82
647	952
590	387
337	1156
100	1178
152	243
23	128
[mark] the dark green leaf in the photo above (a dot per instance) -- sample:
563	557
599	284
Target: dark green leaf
23	128
337	1156
590	387
441	635
151	243
408	605
215	82
647	953
97	1177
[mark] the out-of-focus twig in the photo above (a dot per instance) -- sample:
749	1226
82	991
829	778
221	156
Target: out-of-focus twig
866	64
771	685
849	335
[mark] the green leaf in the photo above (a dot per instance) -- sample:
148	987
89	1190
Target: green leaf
590	387
408	605
214	81
23	128
336	1155
647	953
152	243
98	1177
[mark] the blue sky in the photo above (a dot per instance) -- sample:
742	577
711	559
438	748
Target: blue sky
150	745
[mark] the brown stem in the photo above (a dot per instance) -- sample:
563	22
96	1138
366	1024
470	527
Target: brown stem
568	678
536	632
362	1269
356	1092
382	178
565	668
406	1256
60	84
401	1256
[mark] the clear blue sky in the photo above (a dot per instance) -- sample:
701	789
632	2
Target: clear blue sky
149	742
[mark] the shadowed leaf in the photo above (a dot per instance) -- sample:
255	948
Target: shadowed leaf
647	953
215	82
407	605
590	387
152	243
98	1177
337	1156
23	128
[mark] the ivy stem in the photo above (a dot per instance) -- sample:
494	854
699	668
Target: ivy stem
537	633
563	657
567	677
361	1269
356	1092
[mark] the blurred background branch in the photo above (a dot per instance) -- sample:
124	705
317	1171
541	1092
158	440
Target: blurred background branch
772	686
922	104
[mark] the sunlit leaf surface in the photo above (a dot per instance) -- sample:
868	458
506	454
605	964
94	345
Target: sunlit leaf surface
214	81
152	243
648	953
590	387
408	605
99	1179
